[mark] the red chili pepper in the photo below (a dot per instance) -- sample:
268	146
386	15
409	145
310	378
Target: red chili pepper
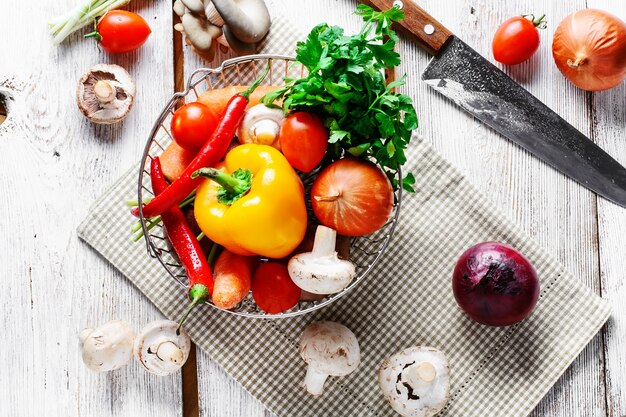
185	244
210	154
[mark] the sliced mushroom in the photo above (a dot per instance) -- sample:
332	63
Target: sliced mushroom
416	381
248	20
159	349
107	347
329	349
105	93
261	125
321	271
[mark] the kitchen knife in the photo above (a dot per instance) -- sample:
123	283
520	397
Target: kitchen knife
464	76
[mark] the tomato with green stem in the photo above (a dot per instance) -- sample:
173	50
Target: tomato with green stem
121	31
303	140
272	288
517	39
192	125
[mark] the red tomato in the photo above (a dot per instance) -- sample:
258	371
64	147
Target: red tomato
303	140
516	40
122	31
272	288
192	125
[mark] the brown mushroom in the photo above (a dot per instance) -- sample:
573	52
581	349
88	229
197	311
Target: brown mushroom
236	24
105	93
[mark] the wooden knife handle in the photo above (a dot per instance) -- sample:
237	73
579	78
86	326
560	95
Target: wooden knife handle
431	34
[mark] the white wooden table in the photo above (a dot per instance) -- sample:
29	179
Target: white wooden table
54	164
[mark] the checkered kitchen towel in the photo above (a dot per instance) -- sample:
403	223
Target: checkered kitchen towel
407	300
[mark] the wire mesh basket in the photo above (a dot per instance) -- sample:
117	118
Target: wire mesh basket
365	251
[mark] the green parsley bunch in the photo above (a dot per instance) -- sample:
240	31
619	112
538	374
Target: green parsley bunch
346	86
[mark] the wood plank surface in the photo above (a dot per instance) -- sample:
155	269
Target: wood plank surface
609	131
54	164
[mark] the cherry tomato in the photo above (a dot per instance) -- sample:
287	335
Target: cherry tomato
121	31
272	288
516	40
192	125
303	140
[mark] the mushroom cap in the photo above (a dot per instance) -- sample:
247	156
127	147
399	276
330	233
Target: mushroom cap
416	381
108	347
320	274
261	124
248	20
122	89
159	349
330	348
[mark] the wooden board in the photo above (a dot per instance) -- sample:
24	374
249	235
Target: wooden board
54	163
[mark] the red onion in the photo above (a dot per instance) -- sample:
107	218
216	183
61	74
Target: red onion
495	285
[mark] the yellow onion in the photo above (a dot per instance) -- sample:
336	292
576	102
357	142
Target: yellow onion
589	48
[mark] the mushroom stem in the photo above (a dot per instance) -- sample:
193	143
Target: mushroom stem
423	372
199	293
104	91
325	239
314	381
170	351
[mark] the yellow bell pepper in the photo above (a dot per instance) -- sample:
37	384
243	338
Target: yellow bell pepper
253	203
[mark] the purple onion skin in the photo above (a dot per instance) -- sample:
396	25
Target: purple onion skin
495	285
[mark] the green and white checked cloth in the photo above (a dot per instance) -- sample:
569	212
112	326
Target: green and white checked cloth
407	300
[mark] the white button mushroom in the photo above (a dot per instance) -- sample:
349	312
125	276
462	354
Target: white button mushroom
159	349
329	349
105	93
416	381
107	347
321	271
261	125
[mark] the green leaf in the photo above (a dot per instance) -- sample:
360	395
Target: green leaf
391	149
345	85
338	135
385	54
408	181
359	149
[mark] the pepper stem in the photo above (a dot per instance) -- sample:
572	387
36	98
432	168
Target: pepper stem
255	84
233	186
198	293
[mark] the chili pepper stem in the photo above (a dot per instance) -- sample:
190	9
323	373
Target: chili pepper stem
255	84
198	293
213	254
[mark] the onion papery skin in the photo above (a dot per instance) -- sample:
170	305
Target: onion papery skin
352	196
589	48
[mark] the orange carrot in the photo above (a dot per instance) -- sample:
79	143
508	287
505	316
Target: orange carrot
218	98
232	278
174	160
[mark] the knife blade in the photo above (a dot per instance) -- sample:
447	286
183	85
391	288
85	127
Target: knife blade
460	73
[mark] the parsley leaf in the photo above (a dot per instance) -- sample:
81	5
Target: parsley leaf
346	86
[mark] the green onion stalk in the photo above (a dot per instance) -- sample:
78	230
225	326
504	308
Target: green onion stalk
81	16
